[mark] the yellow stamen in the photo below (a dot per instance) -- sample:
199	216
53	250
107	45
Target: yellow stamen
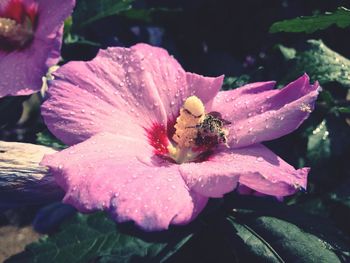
191	115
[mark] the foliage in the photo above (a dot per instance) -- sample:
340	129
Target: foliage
88	11
97	239
265	231
47	139
310	24
320	62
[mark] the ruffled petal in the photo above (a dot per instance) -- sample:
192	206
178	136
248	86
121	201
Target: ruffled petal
126	89
260	114
118	174
255	166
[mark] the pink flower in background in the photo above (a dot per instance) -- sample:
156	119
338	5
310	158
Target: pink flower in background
140	147
30	42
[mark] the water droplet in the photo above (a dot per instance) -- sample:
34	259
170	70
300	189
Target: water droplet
260	159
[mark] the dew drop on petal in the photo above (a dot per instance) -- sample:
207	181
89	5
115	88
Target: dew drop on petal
260	159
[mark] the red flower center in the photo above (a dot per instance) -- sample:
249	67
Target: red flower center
17	24
192	137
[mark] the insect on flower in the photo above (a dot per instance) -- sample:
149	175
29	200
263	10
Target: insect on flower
212	129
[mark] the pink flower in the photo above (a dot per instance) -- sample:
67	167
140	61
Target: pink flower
118	113
30	42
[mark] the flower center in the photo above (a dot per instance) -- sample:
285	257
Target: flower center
196	132
17	25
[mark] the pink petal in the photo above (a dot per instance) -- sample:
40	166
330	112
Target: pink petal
259	114
22	70
118	174
204	88
254	166
120	91
52	14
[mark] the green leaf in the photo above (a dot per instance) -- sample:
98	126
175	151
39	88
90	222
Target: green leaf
147	15
330	139
343	109
68	23
235	82
47	139
95	238
321	64
274	240
310	24
79	40
288	53
88	11
319	144
265	231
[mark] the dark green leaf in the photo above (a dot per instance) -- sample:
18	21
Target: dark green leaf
344	109
321	64
329	139
266	231
275	240
235	82
68	23
319	144
95	238
47	139
79	40
88	11
310	24
147	14
327	98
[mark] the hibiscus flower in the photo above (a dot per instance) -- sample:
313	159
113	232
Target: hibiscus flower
30	42
151	143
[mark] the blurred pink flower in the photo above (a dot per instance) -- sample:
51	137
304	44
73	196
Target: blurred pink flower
30	42
118	113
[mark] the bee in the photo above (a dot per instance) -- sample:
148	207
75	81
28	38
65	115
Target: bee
211	130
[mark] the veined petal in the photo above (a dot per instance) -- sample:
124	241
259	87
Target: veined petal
118	174
254	166
127	89
260	114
